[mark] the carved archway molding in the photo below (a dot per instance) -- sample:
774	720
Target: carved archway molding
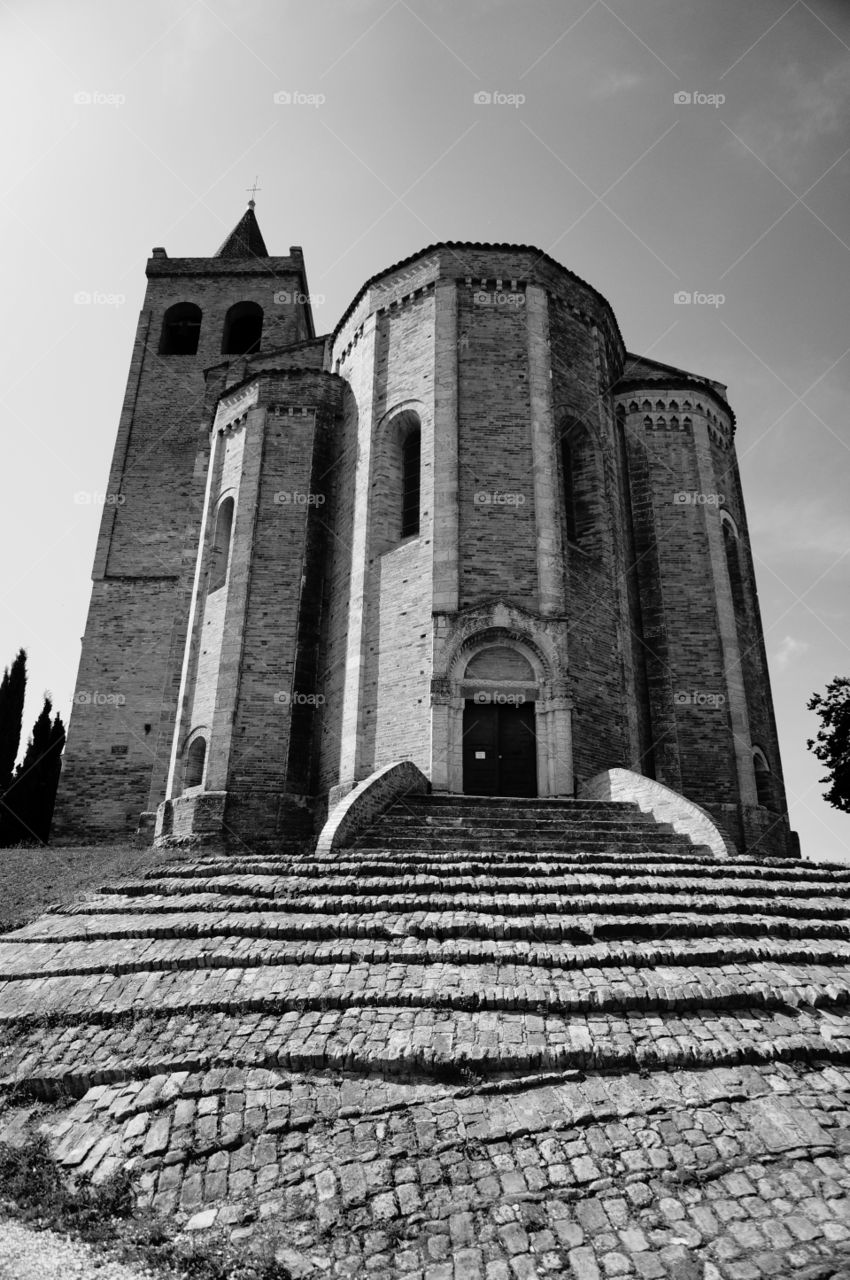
501	626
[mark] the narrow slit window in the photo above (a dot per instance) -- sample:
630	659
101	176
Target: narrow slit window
221	545
410	484
568	475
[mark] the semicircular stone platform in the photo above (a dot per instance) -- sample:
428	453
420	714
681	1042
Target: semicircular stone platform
491	1039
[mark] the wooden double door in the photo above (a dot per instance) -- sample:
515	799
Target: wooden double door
499	749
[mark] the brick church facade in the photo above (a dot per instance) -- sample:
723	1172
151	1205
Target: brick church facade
467	529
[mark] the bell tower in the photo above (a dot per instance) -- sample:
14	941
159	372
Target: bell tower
201	318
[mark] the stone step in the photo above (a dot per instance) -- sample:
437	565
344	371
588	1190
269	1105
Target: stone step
356	856
446	821
106	952
554	804
695	856
554	836
547	865
469	845
556	875
690	857
402	1042
103	919
504	987
632	897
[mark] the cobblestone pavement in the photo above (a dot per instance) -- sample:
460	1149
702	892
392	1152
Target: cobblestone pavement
583	1049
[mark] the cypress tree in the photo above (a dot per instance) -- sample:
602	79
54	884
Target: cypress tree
29	801
52	770
12	691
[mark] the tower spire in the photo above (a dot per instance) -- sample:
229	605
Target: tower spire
246	239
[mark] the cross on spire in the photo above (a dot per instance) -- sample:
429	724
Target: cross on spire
253	191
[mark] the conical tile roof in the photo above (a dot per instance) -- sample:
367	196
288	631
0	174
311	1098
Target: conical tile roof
246	239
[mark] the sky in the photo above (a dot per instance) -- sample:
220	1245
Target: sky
652	146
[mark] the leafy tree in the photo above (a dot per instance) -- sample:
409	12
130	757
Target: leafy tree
12	690
29	801
832	743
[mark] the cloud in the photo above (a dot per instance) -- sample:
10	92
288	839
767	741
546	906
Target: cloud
616	82
808	109
789	649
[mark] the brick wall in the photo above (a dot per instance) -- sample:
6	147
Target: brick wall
497	530
142	544
707	685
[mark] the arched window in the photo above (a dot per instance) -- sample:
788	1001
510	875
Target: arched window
396	480
195	760
733	562
411	450
580	484
181	329
220	553
243	328
762	772
729	526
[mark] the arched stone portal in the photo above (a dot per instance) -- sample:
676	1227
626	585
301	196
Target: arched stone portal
498	725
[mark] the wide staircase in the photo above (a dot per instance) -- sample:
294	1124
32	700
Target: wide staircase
474	978
489	935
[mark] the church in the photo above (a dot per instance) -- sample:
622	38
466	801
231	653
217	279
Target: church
468	529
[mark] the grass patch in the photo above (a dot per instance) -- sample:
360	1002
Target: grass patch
36	878
34	1189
